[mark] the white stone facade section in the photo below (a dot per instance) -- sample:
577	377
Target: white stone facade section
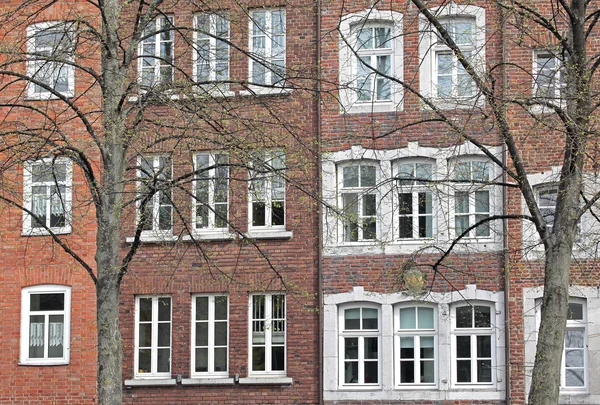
387	240
445	388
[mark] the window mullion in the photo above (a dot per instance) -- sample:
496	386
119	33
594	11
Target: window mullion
211	334
361	359
154	340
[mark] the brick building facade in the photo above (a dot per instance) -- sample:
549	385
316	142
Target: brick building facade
307	252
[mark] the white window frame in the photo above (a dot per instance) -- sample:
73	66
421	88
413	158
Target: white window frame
155	232
348	64
28	184
359	334
270	160
270	78
361	191
217	161
35	57
416	334
473	332
415	189
557	80
26	312
211	345
429	47
582	325
157	62
472	186
548	211
267	320
213	38
154	373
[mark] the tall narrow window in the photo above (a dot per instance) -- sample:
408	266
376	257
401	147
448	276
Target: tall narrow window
156	53
574	373
473	341
50	59
267	47
415	342
452	79
547	197
360	346
47	195
211	191
210	335
45	324
268	329
154	188
153	337
359	202
472	203
267	190
374	63
415	200
212	48
549	76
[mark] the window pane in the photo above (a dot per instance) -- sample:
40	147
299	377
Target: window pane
370	348
352	318
482	317
145	309
427	371
351	348
258	214
407	372
164	360
464	317
463	346
144	360
370	318
574	378
164	334
425	318
463	371
367	176
407	348
202	334
484	371
405	204
350	174
484	346
574	339
164	309
278	358
221	359
371	372
145	335
36	336
350	372
220	333
573	358
427	349
47	302
55	336
382	37
220	307
201	360
201	308
258	358
408	318
575	312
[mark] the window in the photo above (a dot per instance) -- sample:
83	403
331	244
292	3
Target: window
473	341
210	335
359	202
472	203
211	191
50	47
415	345
371	55
47	195
443	78
153	337
451	78
548	76
359	346
547	197
415	200
267	47
267	341
154	176
267	190
574	364
374	56
212	48
45	324
156	53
